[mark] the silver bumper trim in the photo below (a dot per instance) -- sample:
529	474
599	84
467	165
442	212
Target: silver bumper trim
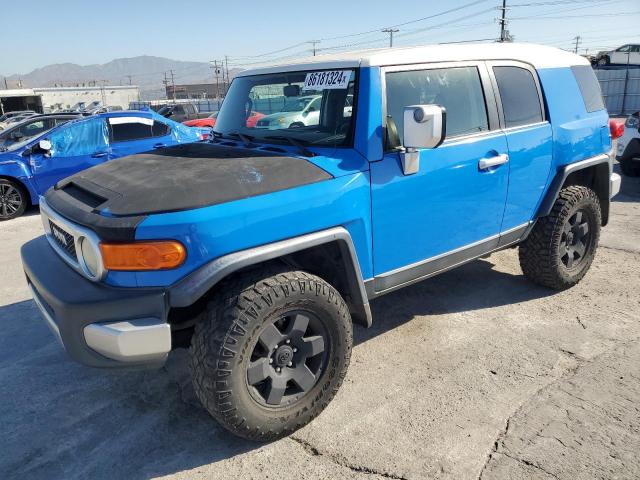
145	339
616	181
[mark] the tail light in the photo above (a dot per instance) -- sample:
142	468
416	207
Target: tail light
616	127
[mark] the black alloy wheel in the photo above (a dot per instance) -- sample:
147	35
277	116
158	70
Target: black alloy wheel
288	359
270	351
575	240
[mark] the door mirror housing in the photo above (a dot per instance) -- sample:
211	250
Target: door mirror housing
425	126
45	147
17	135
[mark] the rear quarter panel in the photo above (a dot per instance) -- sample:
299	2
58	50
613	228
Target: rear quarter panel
577	134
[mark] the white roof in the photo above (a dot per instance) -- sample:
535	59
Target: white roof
539	56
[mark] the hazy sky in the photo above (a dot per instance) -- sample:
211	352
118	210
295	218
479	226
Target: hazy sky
35	33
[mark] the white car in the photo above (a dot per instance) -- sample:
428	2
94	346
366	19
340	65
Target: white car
627	54
628	148
297	112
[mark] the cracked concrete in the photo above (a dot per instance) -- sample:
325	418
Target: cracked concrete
475	373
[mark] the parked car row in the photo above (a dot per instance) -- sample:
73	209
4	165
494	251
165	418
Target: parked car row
11	118
39	152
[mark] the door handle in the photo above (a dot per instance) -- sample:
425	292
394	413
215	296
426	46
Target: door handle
99	155
160	145
485	163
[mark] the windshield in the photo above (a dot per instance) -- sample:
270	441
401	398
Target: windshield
310	107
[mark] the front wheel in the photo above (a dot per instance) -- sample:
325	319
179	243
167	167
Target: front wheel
13	200
561	247
604	61
271	352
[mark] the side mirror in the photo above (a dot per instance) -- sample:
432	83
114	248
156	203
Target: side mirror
425	126
17	135
45	147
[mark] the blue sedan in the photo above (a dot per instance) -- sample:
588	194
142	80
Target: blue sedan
30	167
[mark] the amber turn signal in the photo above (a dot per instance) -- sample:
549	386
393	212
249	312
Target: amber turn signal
155	255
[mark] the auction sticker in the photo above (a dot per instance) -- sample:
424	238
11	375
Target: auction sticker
326	80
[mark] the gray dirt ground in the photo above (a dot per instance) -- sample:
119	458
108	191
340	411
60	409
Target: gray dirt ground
473	374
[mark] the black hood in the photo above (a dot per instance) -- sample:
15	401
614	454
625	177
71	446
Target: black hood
177	178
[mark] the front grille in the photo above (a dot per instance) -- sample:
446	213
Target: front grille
64	240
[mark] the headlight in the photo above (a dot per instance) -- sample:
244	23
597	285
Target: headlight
282	121
89	257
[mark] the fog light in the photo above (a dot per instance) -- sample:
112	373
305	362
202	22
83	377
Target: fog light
89	257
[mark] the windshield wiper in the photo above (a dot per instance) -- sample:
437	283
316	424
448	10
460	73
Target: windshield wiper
296	143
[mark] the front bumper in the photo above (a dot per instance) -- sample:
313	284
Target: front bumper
98	325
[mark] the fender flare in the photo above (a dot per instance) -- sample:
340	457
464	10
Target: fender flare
17	171
191	288
562	175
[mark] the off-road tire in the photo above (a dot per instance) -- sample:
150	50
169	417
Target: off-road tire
540	254
629	167
223	342
10	192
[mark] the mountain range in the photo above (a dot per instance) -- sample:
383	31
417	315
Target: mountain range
146	71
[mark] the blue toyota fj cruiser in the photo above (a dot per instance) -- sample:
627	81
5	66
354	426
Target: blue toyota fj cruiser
259	249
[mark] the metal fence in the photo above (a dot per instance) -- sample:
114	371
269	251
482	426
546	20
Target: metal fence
201	105
620	89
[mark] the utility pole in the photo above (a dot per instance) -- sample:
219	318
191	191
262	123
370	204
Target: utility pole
577	39
6	87
129	77
390	31
216	72
165	82
226	67
504	33
313	45
173	85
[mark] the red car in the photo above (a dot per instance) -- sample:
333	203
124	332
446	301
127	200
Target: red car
210	121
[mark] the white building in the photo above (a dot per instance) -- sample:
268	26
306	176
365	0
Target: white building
48	99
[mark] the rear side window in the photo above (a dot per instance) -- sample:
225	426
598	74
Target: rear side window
519	96
123	131
589	87
457	89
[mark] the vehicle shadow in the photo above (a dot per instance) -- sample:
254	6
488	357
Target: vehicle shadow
62	420
474	286
629	188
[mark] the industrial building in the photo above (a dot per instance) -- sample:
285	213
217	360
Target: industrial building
195	91
50	99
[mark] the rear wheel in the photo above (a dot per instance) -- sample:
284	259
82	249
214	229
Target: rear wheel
13	200
271	353
604	61
561	247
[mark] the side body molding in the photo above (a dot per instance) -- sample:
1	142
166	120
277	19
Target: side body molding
187	291
561	176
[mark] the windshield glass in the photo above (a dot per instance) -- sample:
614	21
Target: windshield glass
310	107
